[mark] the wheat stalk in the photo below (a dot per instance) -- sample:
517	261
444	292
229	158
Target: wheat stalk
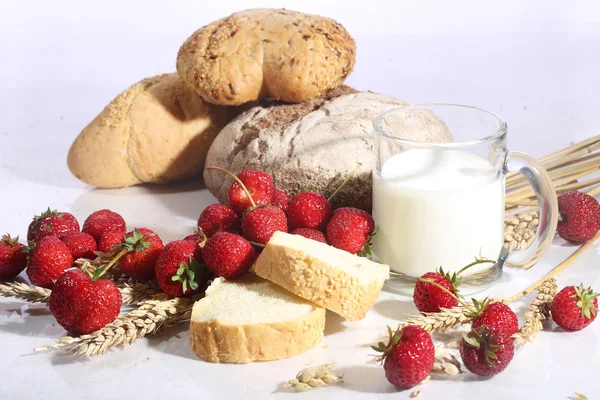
150	317
441	321
538	311
132	292
19	290
135	292
519	230
313	377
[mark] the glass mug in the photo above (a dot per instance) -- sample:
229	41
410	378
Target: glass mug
441	204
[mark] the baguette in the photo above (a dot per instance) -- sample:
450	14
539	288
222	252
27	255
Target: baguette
331	278
251	319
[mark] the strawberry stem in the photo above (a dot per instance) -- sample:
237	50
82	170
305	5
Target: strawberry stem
554	272
236	179
477	261
358	165
202	235
101	271
465	305
257	244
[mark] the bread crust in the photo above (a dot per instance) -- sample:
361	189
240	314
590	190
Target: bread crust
155	131
215	341
318	282
260	53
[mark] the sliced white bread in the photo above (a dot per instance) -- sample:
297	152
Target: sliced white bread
251	319
332	278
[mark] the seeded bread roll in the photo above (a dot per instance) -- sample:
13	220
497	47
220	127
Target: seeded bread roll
251	319
155	131
317	143
262	53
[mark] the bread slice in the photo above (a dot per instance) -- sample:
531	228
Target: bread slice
252	319
332	278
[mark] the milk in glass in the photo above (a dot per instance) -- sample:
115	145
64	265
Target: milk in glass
437	208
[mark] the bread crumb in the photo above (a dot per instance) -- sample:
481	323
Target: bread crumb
325	346
414	394
178	336
148	358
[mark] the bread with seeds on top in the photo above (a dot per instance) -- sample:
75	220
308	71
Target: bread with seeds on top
331	278
261	53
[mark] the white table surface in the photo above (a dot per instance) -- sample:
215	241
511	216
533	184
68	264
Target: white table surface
535	63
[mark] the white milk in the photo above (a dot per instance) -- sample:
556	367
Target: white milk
437	208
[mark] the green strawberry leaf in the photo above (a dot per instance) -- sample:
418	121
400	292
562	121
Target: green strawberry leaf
137	242
30	247
367	250
99	271
471	341
585	301
189	273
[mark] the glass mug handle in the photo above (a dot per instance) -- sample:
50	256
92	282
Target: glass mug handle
542	185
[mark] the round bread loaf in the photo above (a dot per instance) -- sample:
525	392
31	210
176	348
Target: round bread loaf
260	53
313	144
155	131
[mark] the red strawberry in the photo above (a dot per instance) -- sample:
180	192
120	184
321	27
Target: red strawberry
281	199
579	216
218	217
310	234
308	210
82	305
48	259
178	271
51	223
430	298
144	247
13	258
260	185
110	239
259	224
351	229
409	356
574	307
102	221
228	255
486	352
81	244
199	240
495	315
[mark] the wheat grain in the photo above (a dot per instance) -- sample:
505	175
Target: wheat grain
150	317
19	290
313	377
519	230
445	363
441	321
132	292
135	292
538	311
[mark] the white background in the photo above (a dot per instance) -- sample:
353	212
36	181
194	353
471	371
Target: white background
536	63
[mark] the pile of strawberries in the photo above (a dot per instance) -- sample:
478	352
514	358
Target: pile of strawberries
258	209
488	348
225	244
